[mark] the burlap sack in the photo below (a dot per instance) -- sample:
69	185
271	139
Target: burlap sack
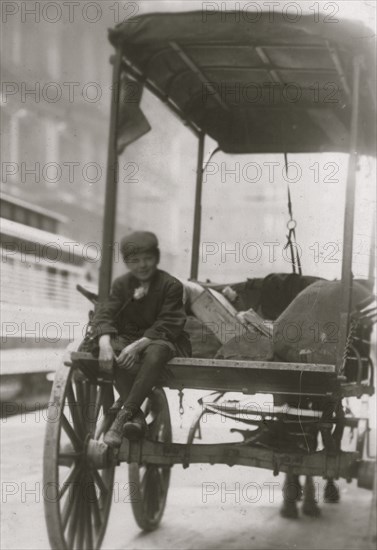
308	329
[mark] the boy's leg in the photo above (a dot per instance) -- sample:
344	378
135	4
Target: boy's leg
135	389
123	382
152	362
139	385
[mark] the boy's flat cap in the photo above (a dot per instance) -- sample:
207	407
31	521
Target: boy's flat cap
138	241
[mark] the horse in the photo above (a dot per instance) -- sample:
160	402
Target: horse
305	436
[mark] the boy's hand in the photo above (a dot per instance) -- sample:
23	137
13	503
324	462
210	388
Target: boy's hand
106	353
129	356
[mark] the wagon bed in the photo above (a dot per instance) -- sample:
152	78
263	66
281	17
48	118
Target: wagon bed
250	377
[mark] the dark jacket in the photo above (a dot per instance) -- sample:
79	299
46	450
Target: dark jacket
159	315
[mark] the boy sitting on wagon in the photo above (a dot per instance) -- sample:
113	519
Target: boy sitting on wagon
140	327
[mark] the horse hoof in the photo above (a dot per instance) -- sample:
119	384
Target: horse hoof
311	509
331	493
289	510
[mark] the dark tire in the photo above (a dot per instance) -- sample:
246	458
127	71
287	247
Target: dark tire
77	495
150	483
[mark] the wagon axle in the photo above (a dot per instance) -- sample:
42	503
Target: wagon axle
146	452
347	465
99	455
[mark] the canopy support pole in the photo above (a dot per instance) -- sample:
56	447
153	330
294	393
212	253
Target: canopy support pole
197	211
108	232
346	296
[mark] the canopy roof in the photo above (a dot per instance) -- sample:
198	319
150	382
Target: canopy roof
267	85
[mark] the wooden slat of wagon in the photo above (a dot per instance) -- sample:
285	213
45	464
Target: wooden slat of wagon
243	364
240	376
251	376
228	363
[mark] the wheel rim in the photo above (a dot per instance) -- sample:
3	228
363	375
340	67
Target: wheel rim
151	482
77	494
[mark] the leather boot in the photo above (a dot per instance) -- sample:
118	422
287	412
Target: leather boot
113	438
136	427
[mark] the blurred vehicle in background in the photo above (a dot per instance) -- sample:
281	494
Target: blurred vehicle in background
41	310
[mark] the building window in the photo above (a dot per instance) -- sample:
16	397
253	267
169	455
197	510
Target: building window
33	219
6	210
51	283
20	214
47	224
6	129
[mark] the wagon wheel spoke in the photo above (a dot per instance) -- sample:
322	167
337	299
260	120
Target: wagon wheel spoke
73	518
100	482
82	402
98	404
69	480
146	496
152	496
97	399
95	508
143	483
68	455
149	497
92	407
87	405
67	509
75	410
97	516
76	442
68	506
155	491
89	524
161	477
78	538
107	398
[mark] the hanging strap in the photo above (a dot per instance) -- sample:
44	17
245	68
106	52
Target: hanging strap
291	226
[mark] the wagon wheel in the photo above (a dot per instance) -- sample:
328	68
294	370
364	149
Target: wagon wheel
149	482
77	490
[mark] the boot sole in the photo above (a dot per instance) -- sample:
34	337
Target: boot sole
111	441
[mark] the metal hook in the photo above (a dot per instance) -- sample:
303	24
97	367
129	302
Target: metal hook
291	224
181	409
